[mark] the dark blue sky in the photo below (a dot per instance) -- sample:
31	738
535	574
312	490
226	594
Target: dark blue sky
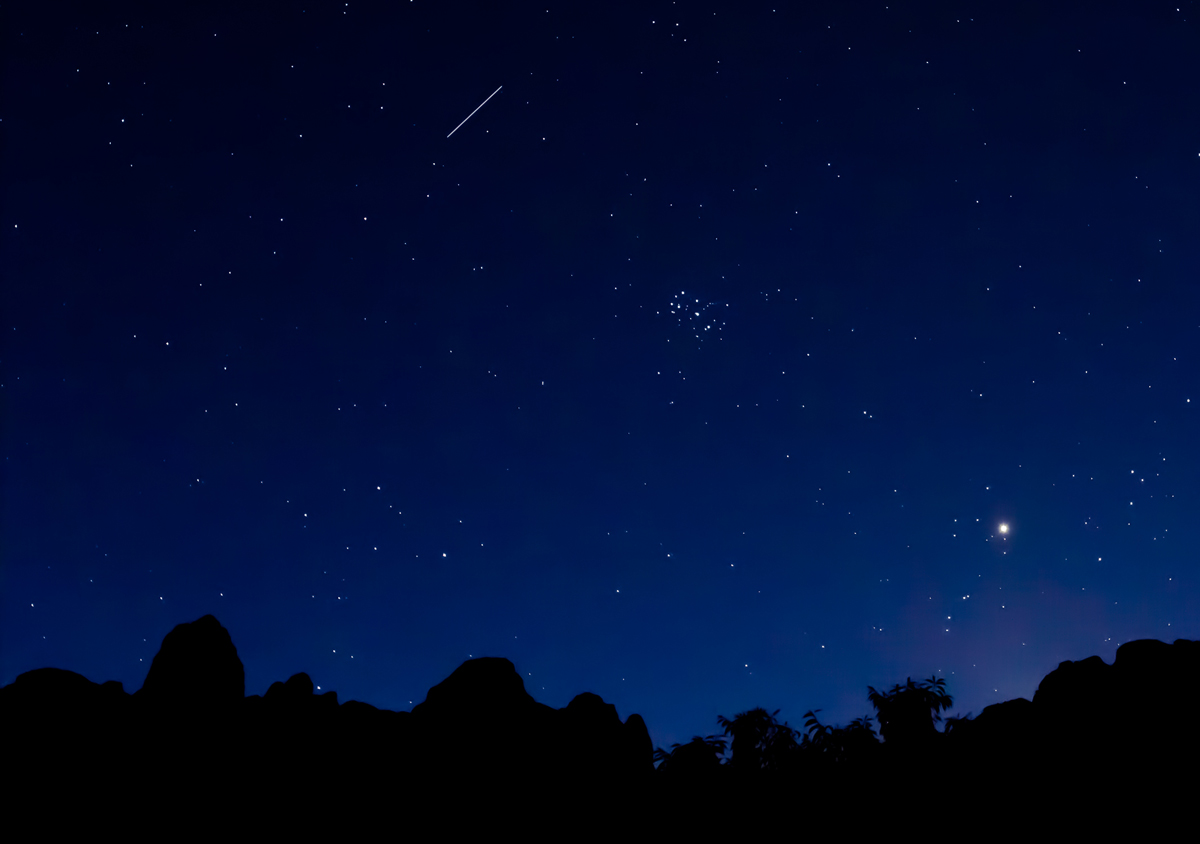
698	369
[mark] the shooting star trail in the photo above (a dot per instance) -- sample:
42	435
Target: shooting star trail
472	114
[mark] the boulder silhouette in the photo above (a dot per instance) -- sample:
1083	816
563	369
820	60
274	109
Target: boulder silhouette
49	689
1151	672
998	743
1005	722
1089	724
197	667
297	690
1156	683
1148	683
62	732
594	744
637	747
1073	689
486	688
480	721
296	696
52	708
592	729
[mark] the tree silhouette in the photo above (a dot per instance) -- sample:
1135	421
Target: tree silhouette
700	756
760	743
907	713
839	745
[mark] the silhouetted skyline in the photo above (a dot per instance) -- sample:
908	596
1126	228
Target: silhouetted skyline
190	731
698	370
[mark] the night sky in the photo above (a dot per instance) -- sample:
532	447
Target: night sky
700	368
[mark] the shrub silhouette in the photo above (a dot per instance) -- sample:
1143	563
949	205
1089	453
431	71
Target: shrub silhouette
760	743
907	713
700	757
827	745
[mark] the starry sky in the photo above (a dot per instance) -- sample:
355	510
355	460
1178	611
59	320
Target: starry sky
699	368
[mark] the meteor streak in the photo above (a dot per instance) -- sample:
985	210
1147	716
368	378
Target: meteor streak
472	114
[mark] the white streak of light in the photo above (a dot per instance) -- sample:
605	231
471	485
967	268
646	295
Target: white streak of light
472	114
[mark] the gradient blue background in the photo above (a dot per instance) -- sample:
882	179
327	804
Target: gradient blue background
276	349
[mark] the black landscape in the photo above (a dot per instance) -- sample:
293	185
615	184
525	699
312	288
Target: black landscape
194	740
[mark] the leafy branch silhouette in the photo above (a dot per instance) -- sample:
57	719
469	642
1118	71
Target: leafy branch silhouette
760	742
696	756
908	713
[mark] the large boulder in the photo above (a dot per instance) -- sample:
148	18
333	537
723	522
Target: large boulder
481	724
1096	719
997	743
295	694
1152	673
1148	683
63	732
1156	684
483	690
52	707
591	738
46	690
1070	698
1007	718
595	745
637	748
197	668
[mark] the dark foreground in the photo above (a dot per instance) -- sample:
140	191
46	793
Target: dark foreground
1099	746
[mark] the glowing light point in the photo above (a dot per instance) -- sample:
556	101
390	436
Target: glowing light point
1004	528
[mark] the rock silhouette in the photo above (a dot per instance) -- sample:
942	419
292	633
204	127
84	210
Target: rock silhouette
190	737
594	743
197	667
